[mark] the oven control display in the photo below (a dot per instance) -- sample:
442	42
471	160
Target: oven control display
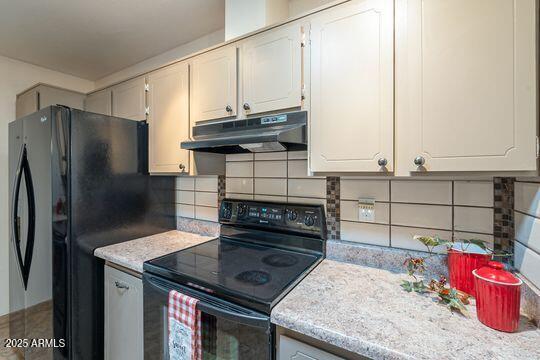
265	213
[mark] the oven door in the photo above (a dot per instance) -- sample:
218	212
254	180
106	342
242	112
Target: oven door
228	331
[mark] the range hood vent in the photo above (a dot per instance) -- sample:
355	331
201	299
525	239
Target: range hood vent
263	134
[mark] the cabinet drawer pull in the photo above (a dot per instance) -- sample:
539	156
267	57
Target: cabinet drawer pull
382	162
119	285
246	106
228	108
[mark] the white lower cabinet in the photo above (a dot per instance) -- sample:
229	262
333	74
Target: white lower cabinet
290	349
123	315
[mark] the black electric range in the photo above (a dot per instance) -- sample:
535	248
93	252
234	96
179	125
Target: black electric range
263	251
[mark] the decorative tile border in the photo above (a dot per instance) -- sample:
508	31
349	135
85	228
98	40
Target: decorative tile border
333	207
221	189
503	214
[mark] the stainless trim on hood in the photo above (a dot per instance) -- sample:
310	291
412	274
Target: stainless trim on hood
262	134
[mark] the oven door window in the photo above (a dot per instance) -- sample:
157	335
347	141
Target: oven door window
228	331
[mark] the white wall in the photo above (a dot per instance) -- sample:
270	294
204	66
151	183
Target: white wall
245	16
163	59
297	7
17	76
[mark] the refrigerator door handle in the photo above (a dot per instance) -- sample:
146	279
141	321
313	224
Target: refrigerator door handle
23	169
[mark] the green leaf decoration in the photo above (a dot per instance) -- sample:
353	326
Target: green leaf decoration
407	285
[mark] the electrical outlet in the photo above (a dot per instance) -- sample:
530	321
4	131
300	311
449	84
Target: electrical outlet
366	210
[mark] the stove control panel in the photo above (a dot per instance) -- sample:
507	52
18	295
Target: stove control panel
300	218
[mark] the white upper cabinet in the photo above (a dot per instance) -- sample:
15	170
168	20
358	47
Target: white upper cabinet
352	87
99	102
272	70
168	119
466	76
27	103
129	99
213	87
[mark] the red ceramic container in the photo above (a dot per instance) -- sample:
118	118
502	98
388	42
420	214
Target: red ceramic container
462	260
498	295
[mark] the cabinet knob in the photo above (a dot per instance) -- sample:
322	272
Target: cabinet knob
419	161
246	106
119	285
182	167
228	108
382	162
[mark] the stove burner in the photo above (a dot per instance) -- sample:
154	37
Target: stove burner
280	260
253	277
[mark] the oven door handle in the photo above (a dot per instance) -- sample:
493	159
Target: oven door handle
213	306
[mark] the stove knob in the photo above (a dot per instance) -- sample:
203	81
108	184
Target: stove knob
292	215
309	221
241	209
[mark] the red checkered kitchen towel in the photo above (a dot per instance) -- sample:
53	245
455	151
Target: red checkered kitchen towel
184	327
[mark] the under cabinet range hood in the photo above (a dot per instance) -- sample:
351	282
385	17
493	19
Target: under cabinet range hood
262	134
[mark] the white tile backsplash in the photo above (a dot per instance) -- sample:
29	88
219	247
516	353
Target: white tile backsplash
239	157
271	169
206	199
239	196
374	234
239	185
473	219
527	262
357	189
209	183
461	235
185	197
527	198
185	183
402	237
280	155
206	213
311	201
239	169
403	208
270	186
426	192
307	188
527	230
473	193
270	198
185	210
428	216
291	155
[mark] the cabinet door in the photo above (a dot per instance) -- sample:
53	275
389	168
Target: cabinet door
49	95
99	102
466	75
290	349
129	99
123	316
272	71
214	84
27	103
168	119
352	88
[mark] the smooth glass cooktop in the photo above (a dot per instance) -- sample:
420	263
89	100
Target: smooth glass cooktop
255	272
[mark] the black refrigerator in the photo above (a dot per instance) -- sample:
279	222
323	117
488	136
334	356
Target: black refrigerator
78	181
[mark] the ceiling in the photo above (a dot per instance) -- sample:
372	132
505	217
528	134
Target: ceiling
92	39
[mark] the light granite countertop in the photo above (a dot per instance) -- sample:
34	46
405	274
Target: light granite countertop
365	311
132	254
